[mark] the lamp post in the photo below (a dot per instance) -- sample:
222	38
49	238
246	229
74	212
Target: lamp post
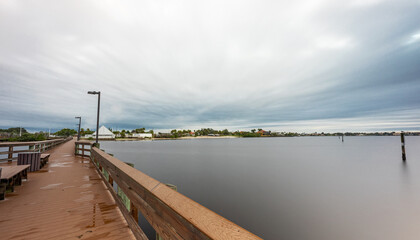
97	118
78	131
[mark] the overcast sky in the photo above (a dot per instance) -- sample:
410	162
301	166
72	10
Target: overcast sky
315	65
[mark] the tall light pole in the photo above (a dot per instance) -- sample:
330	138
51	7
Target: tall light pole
78	131
97	118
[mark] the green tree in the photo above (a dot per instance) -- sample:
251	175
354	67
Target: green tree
14	131
86	132
65	132
27	137
140	130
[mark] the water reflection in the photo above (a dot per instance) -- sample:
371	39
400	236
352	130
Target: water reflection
405	176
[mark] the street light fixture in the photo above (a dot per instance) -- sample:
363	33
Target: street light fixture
78	131
97	118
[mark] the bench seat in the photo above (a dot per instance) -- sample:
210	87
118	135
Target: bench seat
11	176
44	159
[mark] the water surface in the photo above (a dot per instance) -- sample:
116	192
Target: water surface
293	188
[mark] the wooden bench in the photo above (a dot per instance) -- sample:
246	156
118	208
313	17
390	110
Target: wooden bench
31	158
44	159
2	187
11	176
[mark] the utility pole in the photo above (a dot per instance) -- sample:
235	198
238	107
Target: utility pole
97	117
78	131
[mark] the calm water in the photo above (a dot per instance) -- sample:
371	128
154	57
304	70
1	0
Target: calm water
294	188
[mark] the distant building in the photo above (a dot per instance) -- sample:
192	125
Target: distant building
164	135
104	133
264	133
141	135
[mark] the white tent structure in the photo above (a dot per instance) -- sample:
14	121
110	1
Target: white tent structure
104	133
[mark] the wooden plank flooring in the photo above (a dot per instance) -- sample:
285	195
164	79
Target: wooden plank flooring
66	199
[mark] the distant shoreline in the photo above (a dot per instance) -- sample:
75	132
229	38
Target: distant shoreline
220	137
198	137
154	139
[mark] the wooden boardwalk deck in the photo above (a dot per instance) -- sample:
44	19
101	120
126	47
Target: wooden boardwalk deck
66	199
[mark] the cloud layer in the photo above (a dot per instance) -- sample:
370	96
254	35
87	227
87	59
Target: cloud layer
302	66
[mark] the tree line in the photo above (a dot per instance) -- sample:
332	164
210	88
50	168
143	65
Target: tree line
17	134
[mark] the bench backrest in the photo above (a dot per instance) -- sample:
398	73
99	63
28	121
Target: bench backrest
34	159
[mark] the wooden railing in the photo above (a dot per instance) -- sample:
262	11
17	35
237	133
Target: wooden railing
171	214
82	148
36	146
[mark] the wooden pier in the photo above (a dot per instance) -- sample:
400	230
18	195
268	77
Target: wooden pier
74	197
66	199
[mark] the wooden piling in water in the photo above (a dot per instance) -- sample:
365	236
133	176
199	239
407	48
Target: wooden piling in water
403	146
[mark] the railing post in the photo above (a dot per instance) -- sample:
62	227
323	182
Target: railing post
134	212
173	187
110	180
10	155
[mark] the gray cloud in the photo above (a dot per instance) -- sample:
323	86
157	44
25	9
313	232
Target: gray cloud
305	65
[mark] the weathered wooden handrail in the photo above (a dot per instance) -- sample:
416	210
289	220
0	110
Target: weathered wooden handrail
35	146
171	214
81	147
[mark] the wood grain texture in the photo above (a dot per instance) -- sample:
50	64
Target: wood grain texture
10	171
132	223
